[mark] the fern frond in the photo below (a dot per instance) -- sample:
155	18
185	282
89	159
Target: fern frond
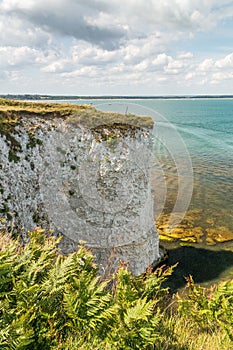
105	317
140	311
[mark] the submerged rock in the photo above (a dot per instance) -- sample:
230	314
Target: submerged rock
192	230
218	234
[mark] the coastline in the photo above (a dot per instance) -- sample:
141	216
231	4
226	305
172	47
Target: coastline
40	97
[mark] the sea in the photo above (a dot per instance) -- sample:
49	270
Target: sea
192	180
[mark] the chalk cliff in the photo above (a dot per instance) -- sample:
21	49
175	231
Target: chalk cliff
82	173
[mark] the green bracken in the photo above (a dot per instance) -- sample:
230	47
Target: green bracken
52	301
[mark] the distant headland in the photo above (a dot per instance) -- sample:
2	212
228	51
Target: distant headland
110	97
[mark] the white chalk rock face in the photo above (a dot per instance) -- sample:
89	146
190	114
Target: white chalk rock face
90	184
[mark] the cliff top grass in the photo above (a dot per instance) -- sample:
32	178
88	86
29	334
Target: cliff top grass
85	115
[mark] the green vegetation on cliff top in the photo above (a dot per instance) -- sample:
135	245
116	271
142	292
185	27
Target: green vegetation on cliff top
85	115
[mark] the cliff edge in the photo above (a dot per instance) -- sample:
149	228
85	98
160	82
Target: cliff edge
82	173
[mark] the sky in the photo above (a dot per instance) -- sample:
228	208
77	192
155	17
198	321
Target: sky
123	47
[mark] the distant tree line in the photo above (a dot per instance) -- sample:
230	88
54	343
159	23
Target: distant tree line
76	97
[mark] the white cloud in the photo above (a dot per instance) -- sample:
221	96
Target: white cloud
17	56
185	55
177	14
107	23
9	75
206	66
219	76
66	18
226	62
162	60
58	66
211	65
92	55
109	43
82	72
189	76
215	71
14	32
174	67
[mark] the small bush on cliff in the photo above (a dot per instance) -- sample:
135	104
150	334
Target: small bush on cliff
51	301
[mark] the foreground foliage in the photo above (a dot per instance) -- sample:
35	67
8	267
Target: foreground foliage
209	308
51	301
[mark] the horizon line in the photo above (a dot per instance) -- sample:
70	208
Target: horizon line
60	96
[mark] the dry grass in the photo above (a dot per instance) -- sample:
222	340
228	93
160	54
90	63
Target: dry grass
186	336
84	115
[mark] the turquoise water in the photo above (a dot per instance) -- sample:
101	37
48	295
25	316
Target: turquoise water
206	128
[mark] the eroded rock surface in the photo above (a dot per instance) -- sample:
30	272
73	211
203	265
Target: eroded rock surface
83	174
